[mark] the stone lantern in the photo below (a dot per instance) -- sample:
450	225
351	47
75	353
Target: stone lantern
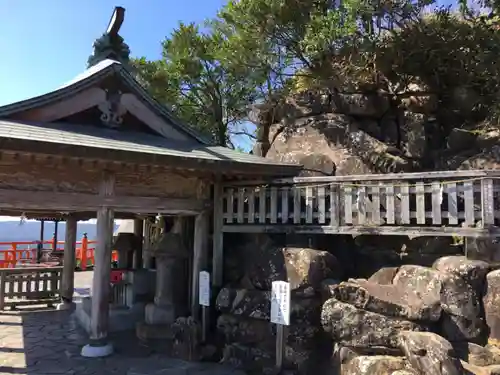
170	254
125	244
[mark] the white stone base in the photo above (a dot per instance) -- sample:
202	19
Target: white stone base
64	306
90	351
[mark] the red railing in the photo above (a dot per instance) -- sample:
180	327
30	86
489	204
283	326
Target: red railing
26	252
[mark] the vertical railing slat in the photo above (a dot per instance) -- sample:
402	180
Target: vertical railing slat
469	203
309	204
321	205
262	205
451	190
436	202
389	205
375	190
284	204
241	205
405	204
347	204
230	205
420	202
296	204
334	205
274	205
361	203
251	206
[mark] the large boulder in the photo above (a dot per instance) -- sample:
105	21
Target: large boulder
480	370
424	282
491	302
384	275
477	355
374	365
301	267
461	299
392	300
354	327
256	304
430	354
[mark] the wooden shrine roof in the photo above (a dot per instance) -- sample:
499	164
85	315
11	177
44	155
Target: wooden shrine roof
130	146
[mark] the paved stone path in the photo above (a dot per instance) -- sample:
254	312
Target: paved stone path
42	342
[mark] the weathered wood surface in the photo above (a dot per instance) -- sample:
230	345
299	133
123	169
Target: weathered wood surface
69	260
102	270
434	203
29	286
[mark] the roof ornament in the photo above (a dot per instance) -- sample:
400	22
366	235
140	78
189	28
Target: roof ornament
111	45
112	110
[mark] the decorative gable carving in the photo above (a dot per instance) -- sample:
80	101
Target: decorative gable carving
112	109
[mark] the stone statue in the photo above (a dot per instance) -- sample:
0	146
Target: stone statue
111	45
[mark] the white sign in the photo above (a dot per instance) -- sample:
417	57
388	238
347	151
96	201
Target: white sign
280	303
204	288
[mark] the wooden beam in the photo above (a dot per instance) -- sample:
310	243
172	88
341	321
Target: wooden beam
71	202
199	258
69	261
358	231
65	107
218	235
139	233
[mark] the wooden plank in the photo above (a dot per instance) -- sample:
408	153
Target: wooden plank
229	205
405	204
451	189
334	205
436	200
218	245
309	204
284	204
361	203
487	202
321	205
420	202
251	205
376	219
274	205
390	209
438	175
262	205
347	204
469	203
99	311
296	204
241	205
414	231
70	202
69	261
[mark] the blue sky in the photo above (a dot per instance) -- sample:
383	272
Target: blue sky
46	43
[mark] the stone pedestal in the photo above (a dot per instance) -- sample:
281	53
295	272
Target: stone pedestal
170	254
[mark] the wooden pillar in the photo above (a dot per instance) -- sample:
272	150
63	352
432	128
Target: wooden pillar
54	243
99	314
69	264
139	232
199	257
218	252
42	230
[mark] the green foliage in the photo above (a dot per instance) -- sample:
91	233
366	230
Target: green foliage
192	80
260	51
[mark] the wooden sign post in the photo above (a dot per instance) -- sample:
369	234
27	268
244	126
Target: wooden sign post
280	315
204	301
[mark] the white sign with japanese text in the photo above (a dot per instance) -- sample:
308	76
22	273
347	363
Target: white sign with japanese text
204	288
280	303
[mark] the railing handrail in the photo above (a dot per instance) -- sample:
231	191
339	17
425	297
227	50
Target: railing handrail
465	174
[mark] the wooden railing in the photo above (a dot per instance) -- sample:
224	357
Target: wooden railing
21	253
30	286
433	203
